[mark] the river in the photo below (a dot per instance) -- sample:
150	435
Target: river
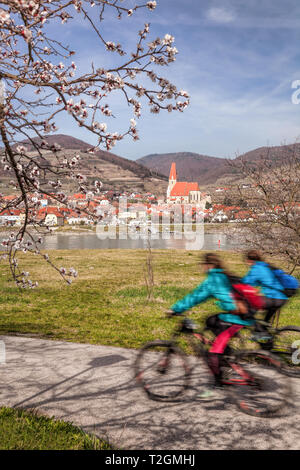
91	241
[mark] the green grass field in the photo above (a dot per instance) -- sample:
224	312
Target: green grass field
25	430
107	304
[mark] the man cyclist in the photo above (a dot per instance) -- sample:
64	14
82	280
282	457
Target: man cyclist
261	275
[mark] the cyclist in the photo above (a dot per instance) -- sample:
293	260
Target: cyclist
224	325
261	275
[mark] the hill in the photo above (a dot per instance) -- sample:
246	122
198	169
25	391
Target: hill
115	172
151	172
190	166
277	154
208	170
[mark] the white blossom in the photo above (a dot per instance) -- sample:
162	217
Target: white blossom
151	5
4	16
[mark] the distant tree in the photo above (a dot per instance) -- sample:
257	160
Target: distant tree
242	203
40	81
227	201
273	204
208	205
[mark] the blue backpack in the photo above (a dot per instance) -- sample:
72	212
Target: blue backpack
290	284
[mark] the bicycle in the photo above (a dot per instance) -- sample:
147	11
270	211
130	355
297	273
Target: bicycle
284	342
162	369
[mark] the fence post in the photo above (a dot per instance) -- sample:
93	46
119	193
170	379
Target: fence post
277	317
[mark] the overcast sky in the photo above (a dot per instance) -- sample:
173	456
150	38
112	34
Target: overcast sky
237	61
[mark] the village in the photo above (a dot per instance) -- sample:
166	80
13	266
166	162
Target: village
128	208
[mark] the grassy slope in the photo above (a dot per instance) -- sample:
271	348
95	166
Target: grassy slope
107	303
24	430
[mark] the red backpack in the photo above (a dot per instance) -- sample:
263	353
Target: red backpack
247	293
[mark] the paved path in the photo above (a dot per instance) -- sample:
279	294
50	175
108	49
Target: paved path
92	386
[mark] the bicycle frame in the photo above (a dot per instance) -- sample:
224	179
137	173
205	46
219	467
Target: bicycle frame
246	379
272	331
182	330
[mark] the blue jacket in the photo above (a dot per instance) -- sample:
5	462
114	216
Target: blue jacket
216	285
261	275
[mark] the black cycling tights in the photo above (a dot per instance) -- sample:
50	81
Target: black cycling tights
271	307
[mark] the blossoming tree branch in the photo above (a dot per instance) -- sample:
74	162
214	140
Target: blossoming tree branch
39	81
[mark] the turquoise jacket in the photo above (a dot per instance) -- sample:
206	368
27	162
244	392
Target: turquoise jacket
216	286
261	275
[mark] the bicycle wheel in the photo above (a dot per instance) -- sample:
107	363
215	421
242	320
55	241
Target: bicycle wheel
258	386
161	369
286	344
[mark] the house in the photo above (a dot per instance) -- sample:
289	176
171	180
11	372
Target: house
53	219
78	199
220	190
50	216
182	192
78	220
10	217
220	217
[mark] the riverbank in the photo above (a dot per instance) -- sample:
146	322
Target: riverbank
208	228
107	304
130	239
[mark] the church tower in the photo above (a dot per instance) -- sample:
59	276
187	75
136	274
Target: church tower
172	179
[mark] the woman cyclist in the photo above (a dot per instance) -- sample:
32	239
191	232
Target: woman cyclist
225	325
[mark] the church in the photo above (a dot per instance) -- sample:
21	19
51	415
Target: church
182	192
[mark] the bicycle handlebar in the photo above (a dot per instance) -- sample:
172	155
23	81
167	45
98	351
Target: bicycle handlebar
171	313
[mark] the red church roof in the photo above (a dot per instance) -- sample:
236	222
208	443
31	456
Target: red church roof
183	189
180	189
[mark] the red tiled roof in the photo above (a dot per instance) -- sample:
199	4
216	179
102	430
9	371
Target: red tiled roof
49	210
242	214
9	198
72	214
183	189
10	212
78	196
